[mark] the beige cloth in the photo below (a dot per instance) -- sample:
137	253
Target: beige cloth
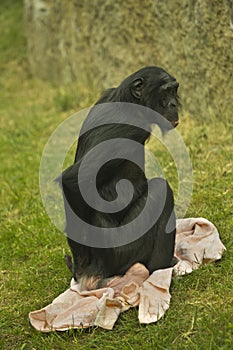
197	241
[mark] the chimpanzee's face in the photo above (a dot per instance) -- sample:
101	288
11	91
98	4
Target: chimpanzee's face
155	88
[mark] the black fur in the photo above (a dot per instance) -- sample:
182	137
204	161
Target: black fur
154	88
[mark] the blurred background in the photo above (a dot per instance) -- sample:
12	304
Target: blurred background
107	40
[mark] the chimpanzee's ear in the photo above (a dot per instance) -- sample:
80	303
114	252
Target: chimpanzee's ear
137	87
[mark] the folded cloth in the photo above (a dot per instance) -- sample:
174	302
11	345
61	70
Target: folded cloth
197	241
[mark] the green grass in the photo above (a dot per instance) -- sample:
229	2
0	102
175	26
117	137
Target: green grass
32	271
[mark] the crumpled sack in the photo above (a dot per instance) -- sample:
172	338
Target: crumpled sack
197	242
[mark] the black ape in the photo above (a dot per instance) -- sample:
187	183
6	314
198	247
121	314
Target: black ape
155	89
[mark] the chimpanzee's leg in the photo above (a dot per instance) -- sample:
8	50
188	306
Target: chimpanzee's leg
155	248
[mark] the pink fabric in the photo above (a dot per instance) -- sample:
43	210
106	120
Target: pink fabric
197	241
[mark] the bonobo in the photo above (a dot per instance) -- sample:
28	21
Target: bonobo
156	90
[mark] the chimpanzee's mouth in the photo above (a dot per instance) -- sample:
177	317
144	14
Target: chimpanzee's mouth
175	123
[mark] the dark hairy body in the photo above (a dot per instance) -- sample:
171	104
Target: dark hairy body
155	89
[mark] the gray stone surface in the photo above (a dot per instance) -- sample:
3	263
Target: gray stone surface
103	41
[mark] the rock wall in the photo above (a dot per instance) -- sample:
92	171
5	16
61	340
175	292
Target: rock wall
105	40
